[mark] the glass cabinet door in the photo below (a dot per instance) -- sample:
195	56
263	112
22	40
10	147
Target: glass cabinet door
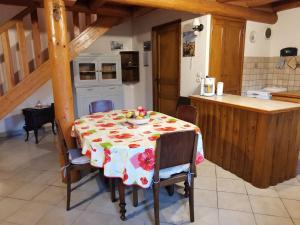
108	71
87	71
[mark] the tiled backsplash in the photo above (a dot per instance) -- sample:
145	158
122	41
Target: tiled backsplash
260	72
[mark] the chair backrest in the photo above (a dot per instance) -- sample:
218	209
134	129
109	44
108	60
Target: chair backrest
174	149
183	101
187	113
101	106
62	143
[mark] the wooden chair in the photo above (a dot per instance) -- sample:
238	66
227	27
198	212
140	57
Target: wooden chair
101	106
187	113
172	150
74	160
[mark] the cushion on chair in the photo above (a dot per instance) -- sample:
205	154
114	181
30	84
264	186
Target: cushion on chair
76	157
168	172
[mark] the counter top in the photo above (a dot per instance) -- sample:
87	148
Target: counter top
253	104
287	94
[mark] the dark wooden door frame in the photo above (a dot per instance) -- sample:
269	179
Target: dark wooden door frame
155	58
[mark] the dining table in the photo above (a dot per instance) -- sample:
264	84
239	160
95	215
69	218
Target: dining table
125	150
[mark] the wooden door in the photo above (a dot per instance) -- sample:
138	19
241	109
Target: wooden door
227	52
166	67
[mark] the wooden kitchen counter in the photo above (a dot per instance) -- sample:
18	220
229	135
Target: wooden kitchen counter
288	96
258	140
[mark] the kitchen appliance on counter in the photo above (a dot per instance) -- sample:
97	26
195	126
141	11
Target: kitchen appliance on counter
208	86
265	93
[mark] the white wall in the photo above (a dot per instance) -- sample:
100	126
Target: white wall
261	47
285	33
192	68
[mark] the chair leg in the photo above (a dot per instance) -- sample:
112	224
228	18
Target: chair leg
112	184
135	196
186	189
68	188
191	200
156	203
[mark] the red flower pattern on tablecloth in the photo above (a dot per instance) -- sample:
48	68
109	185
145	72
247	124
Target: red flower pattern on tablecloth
146	159
106	124
111	132
134	145
122	136
107	157
88	153
97	140
125	175
144	180
166	129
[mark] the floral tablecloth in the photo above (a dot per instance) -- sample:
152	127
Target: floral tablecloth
126	151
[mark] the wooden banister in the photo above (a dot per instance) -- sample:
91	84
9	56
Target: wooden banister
76	26
36	38
22	48
10	78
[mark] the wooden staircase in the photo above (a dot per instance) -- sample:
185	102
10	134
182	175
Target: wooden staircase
16	85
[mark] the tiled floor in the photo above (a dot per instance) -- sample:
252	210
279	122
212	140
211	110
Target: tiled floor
31	193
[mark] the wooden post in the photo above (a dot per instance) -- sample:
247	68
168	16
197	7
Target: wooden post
55	17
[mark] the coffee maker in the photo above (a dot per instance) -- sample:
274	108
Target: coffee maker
208	86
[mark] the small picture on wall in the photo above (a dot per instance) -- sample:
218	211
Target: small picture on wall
189	44
115	45
147	46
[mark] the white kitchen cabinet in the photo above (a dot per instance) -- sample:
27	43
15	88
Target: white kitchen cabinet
97	77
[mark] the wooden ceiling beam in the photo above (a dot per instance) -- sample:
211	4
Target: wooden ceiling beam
285	5
96	3
206	7
70	2
141	11
113	11
256	3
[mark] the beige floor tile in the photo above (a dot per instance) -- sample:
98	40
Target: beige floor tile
234	201
93	218
272	220
46	177
109	208
6	223
293	181
176	213
268	206
8	206
221	173
231	185
229	217
267	192
28	191
29	214
79	200
288	191
207	163
9	186
26	175
206	183
293	207
206	171
205	198
206	216
59	216
51	195
296	221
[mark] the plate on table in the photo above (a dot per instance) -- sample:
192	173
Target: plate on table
138	121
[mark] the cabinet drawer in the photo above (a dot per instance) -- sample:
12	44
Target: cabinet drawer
99	90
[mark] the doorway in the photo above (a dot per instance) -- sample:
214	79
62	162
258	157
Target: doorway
166	40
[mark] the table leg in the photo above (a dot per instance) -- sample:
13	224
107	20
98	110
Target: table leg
53	127
36	136
27	134
122	200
